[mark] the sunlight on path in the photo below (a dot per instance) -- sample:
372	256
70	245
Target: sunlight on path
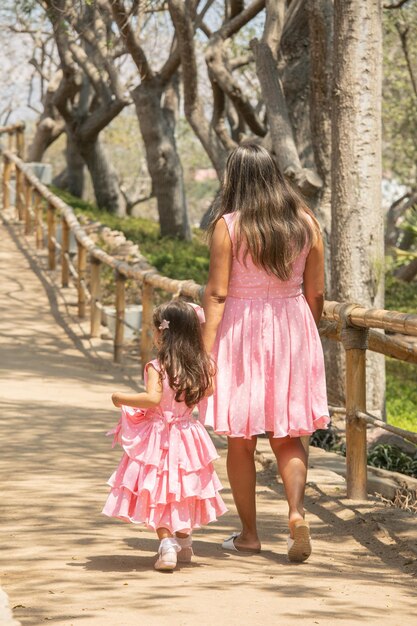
61	561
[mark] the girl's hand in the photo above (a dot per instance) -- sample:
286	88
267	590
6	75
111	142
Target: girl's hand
116	399
144	400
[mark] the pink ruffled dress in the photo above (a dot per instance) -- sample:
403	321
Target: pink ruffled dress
269	356
165	478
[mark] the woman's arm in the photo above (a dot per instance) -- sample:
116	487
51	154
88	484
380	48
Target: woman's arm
145	400
218	282
314	278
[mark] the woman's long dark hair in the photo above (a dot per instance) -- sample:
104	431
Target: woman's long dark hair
271	217
181	354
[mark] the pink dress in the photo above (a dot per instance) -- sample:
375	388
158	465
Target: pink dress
165	478
269	356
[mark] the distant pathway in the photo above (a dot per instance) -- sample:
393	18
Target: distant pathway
63	563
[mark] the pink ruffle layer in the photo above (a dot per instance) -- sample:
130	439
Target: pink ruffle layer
166	477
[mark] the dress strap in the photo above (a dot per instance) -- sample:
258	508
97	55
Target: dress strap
155	364
230	219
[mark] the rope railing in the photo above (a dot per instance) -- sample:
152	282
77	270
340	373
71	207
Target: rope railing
351	324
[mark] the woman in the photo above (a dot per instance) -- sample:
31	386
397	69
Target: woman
262	303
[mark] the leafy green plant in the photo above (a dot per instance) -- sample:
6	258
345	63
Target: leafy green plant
401	394
394	459
329	440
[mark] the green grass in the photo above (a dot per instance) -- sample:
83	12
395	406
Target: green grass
401	394
400	296
171	257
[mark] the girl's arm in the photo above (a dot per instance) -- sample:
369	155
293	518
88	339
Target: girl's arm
314	278
145	400
217	286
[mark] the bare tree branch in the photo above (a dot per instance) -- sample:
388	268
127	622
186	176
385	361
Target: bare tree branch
396	5
182	14
403	33
136	51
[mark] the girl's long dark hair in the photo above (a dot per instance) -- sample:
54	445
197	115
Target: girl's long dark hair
271	217
181	355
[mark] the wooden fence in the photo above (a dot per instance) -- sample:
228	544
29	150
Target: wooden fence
349	323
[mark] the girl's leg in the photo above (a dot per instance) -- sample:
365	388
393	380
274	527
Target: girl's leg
242	477
163	533
182	535
292	465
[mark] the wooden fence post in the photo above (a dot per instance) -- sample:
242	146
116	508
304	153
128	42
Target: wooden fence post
355	342
51	237
19	192
120	317
64	252
20	142
95	288
38	220
7	169
146	339
28	207
82	266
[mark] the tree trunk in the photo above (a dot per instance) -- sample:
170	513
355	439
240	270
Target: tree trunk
103	176
157	125
407	272
47	131
357	217
75	175
295	59
50	125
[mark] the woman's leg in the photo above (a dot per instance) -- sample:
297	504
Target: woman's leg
292	465
242	477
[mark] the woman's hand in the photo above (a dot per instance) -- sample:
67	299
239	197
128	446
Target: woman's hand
313	279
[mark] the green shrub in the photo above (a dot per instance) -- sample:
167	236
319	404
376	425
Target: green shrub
328	439
400	296
401	394
394	459
172	257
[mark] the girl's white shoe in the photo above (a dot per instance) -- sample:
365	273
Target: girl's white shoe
186	550
167	554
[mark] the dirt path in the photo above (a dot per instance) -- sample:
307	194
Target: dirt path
63	563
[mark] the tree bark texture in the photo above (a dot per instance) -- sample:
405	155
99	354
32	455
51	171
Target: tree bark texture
50	124
183	19
320	23
75	177
157	125
103	175
284	127
357	217
295	63
156	102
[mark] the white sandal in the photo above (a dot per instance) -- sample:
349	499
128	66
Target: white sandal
167	555
299	547
229	544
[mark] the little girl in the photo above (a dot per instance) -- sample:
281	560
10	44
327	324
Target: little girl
165	479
